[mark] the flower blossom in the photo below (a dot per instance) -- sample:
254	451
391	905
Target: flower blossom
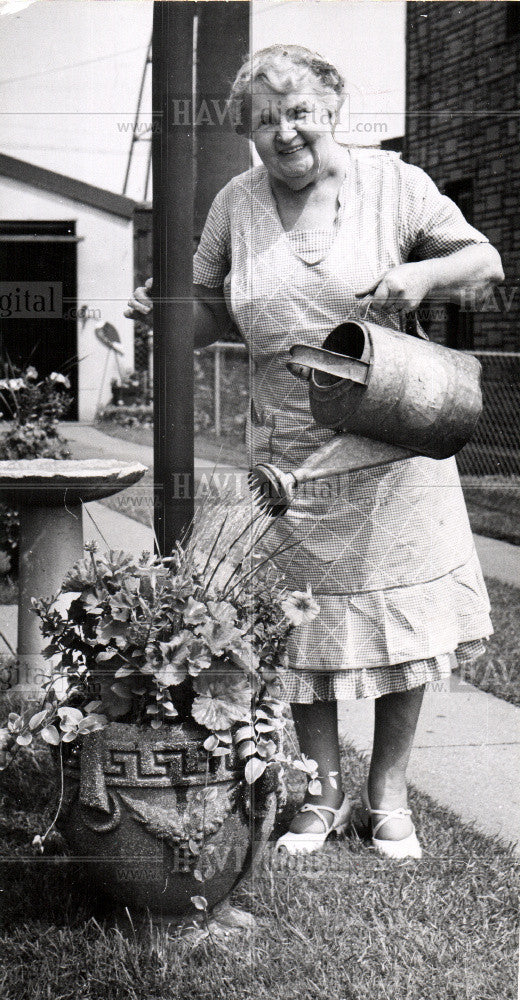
220	701
300	607
60	379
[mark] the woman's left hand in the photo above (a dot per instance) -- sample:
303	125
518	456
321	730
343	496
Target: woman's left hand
401	289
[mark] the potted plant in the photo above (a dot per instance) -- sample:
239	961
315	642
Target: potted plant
165	710
128	389
34	406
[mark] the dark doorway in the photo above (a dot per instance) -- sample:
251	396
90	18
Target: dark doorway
459	322
43	253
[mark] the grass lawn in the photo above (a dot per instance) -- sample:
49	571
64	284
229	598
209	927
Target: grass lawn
498	671
493	504
228	448
343	924
223	449
234	402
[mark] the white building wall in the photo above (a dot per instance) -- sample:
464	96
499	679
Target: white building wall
105	279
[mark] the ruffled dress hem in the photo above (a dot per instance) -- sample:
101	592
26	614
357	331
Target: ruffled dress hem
307	686
376	643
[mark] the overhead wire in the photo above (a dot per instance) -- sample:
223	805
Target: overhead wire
85	62
67	148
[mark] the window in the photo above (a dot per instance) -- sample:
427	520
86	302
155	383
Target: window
36	228
459	323
512	18
461	192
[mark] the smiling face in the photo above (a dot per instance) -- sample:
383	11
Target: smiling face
292	133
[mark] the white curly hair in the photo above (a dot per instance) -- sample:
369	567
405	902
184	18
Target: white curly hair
283	68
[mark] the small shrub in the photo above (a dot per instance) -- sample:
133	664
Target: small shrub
131	389
130	415
26	400
33	440
34	406
30	782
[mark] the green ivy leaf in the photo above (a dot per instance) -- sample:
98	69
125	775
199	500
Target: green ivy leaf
225	737
254	769
244	733
35	720
69	736
24	739
50	735
264	727
121	690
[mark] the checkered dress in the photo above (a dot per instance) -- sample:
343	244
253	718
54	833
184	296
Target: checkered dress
388	551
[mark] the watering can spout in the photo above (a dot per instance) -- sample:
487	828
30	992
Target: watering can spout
276	489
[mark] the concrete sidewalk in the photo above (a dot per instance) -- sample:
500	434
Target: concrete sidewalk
466	753
499	560
89	442
467	750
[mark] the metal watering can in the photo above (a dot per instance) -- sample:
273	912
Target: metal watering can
388	395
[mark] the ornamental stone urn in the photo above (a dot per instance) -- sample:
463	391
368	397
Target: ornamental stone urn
147	809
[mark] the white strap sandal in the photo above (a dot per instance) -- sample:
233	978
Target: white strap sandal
306	843
408	847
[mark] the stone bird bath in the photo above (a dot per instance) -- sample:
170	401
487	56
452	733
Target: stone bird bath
48	494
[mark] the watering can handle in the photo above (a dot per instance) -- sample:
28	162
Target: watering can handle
340	365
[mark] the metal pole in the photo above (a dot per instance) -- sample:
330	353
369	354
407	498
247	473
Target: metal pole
216	392
135	133
172	168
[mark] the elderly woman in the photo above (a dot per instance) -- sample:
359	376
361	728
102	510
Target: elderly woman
316	234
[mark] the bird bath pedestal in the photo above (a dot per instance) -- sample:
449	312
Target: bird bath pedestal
48	494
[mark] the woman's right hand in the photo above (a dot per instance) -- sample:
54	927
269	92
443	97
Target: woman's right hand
140	305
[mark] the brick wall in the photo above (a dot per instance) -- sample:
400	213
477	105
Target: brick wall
463	128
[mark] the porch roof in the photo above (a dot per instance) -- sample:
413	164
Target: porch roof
67	187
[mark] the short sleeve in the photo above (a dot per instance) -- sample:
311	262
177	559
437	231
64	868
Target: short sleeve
431	224
212	260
